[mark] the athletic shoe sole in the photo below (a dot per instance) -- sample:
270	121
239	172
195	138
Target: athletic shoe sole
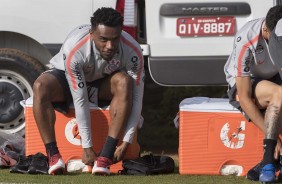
58	168
101	171
19	171
267	174
33	170
268	182
59	171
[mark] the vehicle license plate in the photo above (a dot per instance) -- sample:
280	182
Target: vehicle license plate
206	26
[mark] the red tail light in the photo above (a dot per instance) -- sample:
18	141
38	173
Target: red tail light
128	8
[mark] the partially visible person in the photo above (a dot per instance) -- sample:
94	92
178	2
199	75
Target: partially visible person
102	64
253	73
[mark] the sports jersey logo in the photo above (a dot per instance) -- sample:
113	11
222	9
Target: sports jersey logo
72	133
246	69
249	58
81	84
134	60
78	75
232	137
259	49
112	66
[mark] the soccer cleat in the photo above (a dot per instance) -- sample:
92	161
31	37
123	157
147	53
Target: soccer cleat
56	165
5	160
102	166
267	174
22	165
253	173
38	165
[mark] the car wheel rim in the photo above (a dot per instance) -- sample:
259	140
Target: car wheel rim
13	89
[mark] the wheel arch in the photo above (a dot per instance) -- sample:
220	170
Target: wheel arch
25	44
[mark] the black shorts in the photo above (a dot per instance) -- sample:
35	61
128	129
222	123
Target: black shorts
63	107
232	92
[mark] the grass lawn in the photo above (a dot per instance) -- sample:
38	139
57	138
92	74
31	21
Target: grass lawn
83	178
73	178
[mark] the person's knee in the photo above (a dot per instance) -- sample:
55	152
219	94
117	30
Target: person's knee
39	87
122	83
277	96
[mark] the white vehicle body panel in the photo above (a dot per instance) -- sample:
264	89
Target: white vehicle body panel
195	60
47	21
163	41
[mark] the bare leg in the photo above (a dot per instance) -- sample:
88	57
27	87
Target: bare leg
47	89
118	88
269	95
272	125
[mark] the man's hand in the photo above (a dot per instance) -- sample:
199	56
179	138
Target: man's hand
120	152
88	156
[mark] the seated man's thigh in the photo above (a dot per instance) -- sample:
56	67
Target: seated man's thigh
50	85
264	91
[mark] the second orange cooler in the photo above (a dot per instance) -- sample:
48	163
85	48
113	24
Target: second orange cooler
216	139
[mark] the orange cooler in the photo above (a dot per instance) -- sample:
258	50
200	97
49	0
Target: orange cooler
68	139
216	139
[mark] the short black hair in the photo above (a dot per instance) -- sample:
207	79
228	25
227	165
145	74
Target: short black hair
106	16
273	15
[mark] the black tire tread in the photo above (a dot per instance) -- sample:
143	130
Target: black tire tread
32	65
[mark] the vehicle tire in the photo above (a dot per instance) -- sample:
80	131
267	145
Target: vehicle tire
18	72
